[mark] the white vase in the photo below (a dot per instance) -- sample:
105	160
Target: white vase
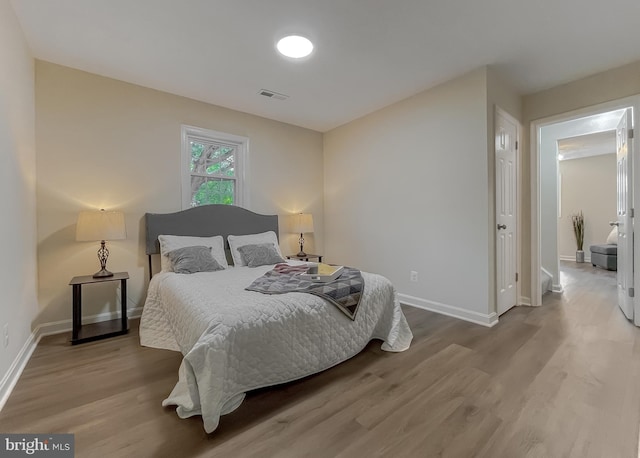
579	256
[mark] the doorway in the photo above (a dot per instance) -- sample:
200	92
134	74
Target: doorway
547	138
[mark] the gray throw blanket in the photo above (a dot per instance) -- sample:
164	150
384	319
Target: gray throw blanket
344	292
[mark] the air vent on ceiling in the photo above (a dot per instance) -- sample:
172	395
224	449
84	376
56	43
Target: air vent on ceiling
273	94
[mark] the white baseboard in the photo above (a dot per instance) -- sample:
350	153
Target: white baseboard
8	382
557	289
587	259
57	327
546	279
15	370
525	301
489	320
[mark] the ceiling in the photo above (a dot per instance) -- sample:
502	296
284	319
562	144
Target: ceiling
368	53
586	136
587	145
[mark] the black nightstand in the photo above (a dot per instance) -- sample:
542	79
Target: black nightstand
305	258
89	332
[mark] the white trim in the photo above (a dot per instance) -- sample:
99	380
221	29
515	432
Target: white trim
242	162
559	196
536	254
10	379
587	259
57	327
534	148
557	289
12	376
542	269
488	320
524	301
550	280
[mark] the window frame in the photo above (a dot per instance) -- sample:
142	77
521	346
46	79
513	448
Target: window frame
241	144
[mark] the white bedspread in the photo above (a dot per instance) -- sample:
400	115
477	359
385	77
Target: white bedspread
234	340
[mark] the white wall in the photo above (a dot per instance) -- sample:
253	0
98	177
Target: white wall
18	275
549	261
588	185
103	143
407	188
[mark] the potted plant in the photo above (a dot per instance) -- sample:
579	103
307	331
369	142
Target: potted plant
577	220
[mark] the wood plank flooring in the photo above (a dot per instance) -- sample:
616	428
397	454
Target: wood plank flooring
561	380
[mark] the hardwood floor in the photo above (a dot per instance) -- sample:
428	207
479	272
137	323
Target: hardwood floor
559	380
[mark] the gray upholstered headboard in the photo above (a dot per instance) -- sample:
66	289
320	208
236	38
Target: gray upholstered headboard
205	221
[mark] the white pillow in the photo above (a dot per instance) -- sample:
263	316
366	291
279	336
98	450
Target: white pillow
612	239
171	242
236	241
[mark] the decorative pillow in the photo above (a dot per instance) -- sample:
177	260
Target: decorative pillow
171	242
260	255
612	239
236	241
192	259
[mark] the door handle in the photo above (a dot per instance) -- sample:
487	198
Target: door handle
614	223
502	226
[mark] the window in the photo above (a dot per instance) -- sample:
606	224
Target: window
212	167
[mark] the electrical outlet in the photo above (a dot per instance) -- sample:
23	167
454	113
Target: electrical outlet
414	276
6	335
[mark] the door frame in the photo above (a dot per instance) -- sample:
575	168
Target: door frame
534	148
518	246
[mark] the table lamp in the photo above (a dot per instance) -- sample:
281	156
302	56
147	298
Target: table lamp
302	223
101	226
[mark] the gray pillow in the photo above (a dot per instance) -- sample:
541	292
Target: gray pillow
260	255
192	259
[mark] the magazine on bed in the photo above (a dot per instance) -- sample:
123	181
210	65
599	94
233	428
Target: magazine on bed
322	273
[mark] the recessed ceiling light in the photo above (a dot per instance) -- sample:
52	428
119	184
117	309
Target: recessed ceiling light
295	46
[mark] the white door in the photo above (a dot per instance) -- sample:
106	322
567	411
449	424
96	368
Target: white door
506	137
624	212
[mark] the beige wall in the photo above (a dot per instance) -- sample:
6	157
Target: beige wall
129	136
588	185
103	143
406	188
602	87
18	275
500	92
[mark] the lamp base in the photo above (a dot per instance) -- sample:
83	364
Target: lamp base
302	254
102	273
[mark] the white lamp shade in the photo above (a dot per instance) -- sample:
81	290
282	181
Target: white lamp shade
100	225
302	223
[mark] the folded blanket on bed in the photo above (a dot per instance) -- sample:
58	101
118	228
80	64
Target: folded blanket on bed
344	292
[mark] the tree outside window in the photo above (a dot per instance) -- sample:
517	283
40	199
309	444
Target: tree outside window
213	174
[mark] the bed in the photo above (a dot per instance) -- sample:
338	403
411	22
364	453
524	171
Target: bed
233	340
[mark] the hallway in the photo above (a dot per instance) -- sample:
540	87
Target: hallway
579	279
